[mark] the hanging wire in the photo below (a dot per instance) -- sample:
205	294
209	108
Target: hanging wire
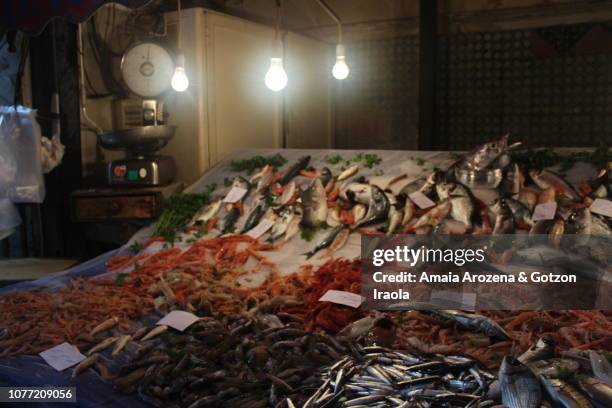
178	25
334	17
278	18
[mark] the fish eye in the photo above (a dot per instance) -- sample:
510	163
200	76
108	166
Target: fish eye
493	145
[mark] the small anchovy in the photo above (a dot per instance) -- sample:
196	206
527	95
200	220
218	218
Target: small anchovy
348	172
105	325
339	241
519	386
103	345
544	348
121	343
85	364
155	332
132	378
294	170
564	394
327	241
139	333
365	401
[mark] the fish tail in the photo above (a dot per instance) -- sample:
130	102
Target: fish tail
309	254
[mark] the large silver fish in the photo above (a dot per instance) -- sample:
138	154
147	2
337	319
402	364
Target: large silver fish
255	215
474	322
513	181
519	386
206	213
601	367
314	201
294	170
425	185
484	155
282	223
597	391
378	208
357	193
547	179
520	212
461	199
504	220
564	394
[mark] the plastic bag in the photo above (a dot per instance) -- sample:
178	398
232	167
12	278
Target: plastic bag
9	218
8	164
20	139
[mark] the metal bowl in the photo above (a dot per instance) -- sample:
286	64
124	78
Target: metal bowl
142	139
479	179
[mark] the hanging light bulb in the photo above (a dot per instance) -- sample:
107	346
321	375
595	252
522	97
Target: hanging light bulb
276	77
340	70
180	82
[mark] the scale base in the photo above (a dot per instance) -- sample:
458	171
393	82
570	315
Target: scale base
141	171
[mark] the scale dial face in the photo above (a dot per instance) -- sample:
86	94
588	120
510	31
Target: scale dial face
147	69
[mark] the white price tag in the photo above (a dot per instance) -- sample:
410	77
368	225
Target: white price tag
602	207
421	200
62	356
545	211
234	195
342	298
260	229
178	319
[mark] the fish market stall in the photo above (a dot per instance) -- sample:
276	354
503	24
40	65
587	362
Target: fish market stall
250	250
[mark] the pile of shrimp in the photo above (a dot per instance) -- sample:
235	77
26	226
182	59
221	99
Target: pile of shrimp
206	275
33	321
580	329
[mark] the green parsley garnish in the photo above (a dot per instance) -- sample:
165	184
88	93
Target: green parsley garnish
257	162
178	210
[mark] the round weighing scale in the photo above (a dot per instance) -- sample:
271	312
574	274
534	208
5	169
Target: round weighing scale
146	69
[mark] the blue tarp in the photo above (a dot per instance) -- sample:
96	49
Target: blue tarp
25	371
